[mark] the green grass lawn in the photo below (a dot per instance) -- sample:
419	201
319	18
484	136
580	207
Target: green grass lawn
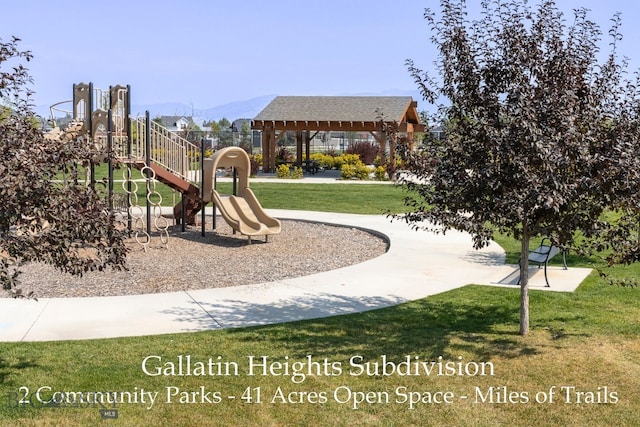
361	199
579	366
377	198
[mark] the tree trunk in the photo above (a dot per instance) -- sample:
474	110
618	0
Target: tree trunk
524	283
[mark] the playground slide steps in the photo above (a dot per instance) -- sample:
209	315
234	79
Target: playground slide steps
191	192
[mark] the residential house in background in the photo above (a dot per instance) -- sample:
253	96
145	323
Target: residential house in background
185	126
437	132
176	123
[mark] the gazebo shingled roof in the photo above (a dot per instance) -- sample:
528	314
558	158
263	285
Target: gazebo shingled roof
334	113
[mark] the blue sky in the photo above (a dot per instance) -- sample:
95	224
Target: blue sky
207	53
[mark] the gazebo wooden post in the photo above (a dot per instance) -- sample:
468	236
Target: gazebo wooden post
299	148
268	149
307	145
409	131
273	138
410	139
265	150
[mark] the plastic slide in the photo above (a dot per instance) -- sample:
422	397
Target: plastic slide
242	211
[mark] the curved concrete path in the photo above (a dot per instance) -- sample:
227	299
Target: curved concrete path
418	264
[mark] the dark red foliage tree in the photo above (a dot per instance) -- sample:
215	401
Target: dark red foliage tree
541	136
43	217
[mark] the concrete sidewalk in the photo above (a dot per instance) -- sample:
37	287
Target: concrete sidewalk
418	264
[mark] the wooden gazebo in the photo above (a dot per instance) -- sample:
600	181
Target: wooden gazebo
307	115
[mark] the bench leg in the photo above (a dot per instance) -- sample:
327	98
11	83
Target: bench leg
545	276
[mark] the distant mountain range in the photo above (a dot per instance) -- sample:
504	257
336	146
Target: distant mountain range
246	109
232	110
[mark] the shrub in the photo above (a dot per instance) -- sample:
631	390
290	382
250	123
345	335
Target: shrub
348	171
326	161
286	171
284	155
345	159
380	173
296	172
357	170
367	151
350	159
255	165
283	170
338	161
332	161
363	172
332	152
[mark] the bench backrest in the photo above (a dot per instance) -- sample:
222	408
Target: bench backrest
543	253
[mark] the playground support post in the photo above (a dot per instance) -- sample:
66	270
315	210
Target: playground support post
110	160
183	213
202	212
129	150
213	214
235	186
235	181
92	166
147	160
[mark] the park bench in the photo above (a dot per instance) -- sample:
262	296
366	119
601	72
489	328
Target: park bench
543	253
311	166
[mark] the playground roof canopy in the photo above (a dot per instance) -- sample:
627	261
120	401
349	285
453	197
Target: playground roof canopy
338	113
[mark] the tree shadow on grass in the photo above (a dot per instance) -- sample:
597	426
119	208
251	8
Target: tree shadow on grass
8	369
423	328
484	258
230	313
431	327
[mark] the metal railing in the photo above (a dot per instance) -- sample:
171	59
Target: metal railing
166	148
56	111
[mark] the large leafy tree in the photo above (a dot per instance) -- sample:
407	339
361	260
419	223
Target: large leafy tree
540	132
47	215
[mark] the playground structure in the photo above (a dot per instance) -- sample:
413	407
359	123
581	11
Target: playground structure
160	155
